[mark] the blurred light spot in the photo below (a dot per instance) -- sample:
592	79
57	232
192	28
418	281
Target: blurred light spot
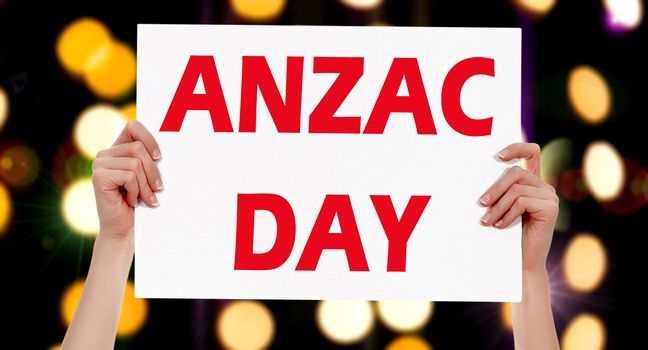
626	14
79	41
245	324
556	157
258	10
589	94
129	111
5	209
344	322
536	7
55	347
68	164
405	316
585	262
380	24
408	342
48	242
572	185
19	165
4	107
603	170
628	201
96	128
362	4
133	315
506	310
111	72
584	332
79	207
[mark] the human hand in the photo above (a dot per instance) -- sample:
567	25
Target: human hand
123	175
520	191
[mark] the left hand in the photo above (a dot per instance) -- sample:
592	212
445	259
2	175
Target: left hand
520	191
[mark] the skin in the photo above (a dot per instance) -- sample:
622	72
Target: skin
126	174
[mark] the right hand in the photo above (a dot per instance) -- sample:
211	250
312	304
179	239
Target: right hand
122	176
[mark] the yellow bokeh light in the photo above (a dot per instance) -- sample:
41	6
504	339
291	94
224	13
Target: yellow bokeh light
584	332
111	72
258	10
55	347
603	170
79	41
536	7
79	207
589	94
245	324
4	107
405	316
19	165
345	322
96	128
129	111
134	311
5	209
507	314
585	263
627	13
408	342
362	4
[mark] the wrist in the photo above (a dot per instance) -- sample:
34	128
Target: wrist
114	244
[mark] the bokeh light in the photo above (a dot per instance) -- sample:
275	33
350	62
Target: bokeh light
258	10
572	185
506	310
589	94
79	42
556	157
4	107
603	170
96	128
630	199
134	311
19	165
405	316
5	209
362	4
55	347
245	324
585	262
536	7
344	322
408	342
626	14
584	332
111	72
79	207
128	111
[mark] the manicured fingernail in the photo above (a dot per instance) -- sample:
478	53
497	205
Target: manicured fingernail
498	223
158	184
156	154
503	154
154	200
485	198
485	218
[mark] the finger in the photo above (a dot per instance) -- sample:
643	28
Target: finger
135	131
134	165
136	149
512	175
530	152
534	206
516	190
111	180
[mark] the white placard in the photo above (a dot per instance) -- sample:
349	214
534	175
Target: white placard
193	245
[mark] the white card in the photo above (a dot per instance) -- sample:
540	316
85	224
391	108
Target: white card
279	205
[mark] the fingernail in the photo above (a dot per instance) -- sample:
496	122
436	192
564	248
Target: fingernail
485	218
503	154
156	154
498	223
485	198
158	184
154	200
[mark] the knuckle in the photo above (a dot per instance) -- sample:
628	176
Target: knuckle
130	176
138	147
516	189
535	148
131	124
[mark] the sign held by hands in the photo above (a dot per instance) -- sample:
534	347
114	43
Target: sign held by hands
327	162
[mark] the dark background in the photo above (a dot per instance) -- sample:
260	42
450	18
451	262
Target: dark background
40	257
